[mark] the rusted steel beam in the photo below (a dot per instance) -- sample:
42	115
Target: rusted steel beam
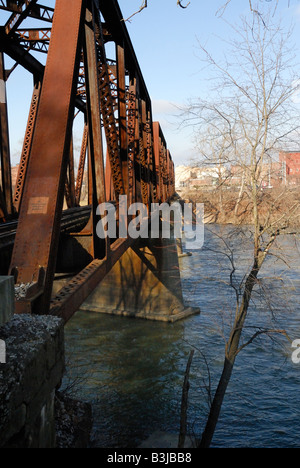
21	9
3	213
168	174
70	180
93	106
109	188
121	72
138	163
36	244
96	159
109	121
17	17
81	166
71	175
151	160
15	51
144	156
35	39
131	142
156	148
70	298
27	146
164	165
116	26
4	142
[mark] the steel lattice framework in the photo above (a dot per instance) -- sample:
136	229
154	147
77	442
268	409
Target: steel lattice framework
111	94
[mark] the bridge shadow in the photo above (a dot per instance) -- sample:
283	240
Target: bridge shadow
145	283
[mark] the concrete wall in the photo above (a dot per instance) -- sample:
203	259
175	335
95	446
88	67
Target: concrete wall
7	299
33	370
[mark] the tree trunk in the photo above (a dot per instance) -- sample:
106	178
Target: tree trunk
231	354
240	195
184	403
216	406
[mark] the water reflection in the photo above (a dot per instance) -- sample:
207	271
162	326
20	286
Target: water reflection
133	369
134	374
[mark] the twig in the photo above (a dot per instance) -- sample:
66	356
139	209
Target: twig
184	403
263	332
145	5
182	6
142	7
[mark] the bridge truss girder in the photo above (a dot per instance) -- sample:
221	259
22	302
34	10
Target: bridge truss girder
112	97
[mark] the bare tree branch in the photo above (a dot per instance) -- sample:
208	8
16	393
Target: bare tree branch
179	3
145	5
263	332
142	7
220	11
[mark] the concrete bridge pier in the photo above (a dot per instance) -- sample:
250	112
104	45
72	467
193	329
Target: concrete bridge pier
144	283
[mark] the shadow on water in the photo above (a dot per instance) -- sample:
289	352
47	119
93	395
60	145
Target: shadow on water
133	374
133	369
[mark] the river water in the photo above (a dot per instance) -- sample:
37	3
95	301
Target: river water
132	371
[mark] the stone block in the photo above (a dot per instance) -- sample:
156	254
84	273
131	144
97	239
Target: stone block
33	370
7	299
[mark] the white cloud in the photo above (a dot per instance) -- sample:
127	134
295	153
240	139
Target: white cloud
297	10
161	106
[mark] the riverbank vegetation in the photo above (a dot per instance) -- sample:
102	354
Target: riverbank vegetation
247	118
229	206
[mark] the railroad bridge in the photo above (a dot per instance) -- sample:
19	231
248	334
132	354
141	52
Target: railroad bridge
85	79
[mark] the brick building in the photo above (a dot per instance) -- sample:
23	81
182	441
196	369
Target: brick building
290	163
270	175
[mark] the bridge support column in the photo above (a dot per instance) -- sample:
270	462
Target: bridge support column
144	283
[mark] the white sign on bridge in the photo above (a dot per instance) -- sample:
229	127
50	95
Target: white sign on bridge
2	352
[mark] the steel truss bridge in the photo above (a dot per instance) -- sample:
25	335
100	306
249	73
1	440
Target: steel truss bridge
90	70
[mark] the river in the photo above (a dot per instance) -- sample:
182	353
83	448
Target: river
132	371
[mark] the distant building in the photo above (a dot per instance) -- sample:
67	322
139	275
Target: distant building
237	174
193	177
290	164
14	176
272	174
182	176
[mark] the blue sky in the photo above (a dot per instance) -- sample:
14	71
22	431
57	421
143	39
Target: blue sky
165	38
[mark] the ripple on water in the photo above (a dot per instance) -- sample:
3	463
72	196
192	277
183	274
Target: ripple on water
132	370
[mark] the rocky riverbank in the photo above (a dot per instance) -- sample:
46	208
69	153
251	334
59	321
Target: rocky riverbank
73	421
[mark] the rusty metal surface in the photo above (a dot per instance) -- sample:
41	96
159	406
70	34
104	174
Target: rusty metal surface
43	191
111	95
4	142
26	146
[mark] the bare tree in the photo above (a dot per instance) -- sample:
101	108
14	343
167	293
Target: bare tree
215	153
252	109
